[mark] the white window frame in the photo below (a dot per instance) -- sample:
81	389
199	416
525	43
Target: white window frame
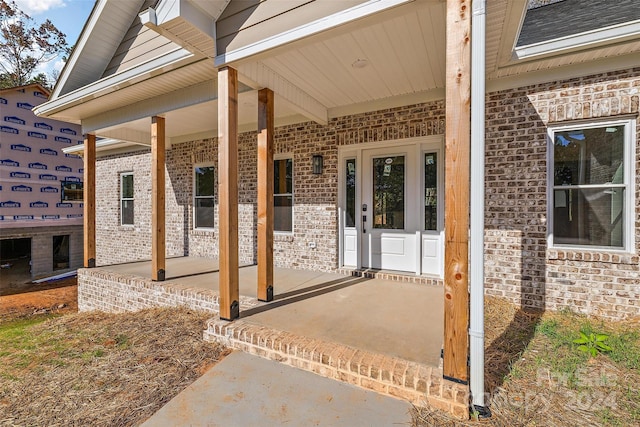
628	225
195	197
287	156
122	199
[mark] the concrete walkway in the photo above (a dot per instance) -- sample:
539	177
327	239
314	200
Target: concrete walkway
245	390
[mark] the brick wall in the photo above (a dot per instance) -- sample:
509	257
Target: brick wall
315	196
100	289
519	266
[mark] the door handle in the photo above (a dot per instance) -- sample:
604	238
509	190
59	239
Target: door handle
364	220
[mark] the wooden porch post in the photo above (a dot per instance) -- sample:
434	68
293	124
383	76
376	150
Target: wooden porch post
265	195
157	199
457	149
228	192
89	200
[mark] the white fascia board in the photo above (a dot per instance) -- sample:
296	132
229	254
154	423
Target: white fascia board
192	95
588	39
102	145
113	83
79	47
328	22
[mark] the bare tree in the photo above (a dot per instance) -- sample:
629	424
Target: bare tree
24	45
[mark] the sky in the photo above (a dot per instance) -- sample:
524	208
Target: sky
68	16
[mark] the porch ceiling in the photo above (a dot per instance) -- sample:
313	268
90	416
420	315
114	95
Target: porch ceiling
391	58
393	53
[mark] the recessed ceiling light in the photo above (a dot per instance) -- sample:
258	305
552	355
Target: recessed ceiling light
360	63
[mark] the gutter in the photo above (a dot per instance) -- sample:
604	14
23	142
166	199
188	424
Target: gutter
476	241
102	145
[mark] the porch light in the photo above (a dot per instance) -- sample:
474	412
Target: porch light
316	162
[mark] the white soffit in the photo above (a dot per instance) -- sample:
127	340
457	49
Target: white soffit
122	88
328	22
395	56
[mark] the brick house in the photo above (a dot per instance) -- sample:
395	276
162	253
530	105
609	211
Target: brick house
352	170
40	231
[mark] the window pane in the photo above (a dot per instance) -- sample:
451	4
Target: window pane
388	192
127	186
127	212
205	181
283	213
589	216
283	176
350	190
431	191
204	212
589	156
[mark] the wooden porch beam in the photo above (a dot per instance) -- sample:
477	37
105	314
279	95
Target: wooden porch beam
457	175
89	200
157	199
228	192
265	194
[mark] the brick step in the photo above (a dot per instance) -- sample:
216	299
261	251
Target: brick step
396	276
420	384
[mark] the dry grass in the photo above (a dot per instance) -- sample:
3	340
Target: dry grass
100	369
536	377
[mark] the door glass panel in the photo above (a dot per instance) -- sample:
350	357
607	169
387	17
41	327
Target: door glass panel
350	191
388	192
431	191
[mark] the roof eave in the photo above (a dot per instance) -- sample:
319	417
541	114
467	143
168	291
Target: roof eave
112	83
586	40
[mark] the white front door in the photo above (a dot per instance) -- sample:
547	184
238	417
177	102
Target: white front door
389	209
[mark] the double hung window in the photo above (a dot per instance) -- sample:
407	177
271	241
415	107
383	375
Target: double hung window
203	196
283	195
126	198
591	174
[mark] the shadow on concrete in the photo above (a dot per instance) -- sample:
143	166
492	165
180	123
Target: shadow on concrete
292	297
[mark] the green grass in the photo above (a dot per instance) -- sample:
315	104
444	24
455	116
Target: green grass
578	371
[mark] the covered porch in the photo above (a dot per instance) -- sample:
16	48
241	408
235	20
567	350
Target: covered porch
380	334
304	91
390	317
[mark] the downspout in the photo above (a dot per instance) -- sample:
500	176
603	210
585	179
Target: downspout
476	250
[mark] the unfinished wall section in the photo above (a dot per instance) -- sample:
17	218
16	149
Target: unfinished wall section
42	257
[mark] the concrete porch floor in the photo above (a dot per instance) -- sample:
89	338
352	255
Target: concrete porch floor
393	318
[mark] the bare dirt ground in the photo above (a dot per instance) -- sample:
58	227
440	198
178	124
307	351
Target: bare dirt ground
99	369
57	297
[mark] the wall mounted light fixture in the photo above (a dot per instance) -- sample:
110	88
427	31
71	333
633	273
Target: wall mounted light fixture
316	162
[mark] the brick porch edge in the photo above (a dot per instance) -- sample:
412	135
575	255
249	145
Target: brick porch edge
420	384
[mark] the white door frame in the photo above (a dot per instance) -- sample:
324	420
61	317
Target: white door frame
416	148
